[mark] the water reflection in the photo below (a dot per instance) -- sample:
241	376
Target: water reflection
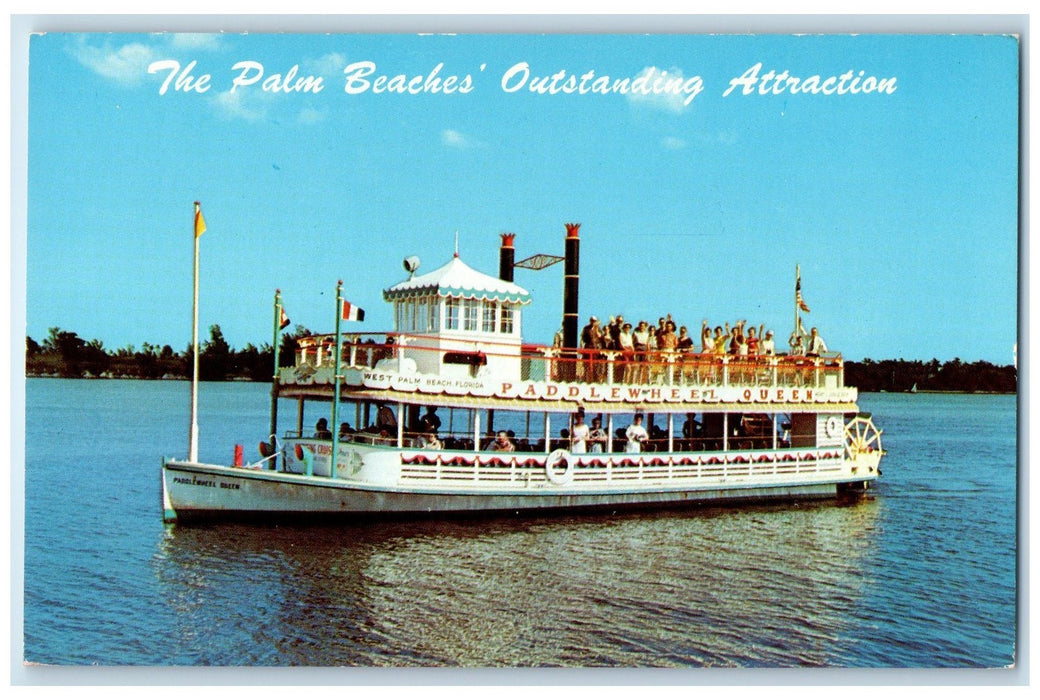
756	586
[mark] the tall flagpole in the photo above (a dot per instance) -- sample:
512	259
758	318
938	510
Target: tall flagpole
199	227
335	396
797	286
274	375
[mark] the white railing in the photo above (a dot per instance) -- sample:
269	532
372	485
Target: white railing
527	469
609	367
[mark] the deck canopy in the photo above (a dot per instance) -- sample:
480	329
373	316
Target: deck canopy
458	280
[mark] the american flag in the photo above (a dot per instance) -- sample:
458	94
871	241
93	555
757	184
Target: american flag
798	294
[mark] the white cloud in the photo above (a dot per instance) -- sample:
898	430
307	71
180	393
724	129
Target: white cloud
309	115
456	139
127	64
205	42
673	143
330	65
240	105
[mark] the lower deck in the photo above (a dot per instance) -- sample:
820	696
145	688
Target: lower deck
199	491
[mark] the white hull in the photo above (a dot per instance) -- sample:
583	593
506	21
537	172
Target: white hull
391	482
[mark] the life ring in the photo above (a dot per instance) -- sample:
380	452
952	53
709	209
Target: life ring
833	427
554	458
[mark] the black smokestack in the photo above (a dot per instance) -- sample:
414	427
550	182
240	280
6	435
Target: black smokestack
505	257
570	287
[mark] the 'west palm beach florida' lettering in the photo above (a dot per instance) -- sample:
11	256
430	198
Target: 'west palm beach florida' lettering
364	77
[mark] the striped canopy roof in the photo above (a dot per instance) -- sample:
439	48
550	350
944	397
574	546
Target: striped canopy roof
457	279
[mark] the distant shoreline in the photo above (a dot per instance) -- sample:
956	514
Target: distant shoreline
65	354
261	381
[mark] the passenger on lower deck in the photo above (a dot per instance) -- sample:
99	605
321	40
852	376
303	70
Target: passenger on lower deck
385	419
430	422
579	435
636	435
429	441
502	443
597	436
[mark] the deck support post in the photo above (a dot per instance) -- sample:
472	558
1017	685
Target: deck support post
400	425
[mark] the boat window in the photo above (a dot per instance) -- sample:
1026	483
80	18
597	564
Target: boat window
507	319
470	308
434	320
420	316
451	314
488	317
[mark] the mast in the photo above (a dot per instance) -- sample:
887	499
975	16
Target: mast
797	290
335	397
199	227
278	325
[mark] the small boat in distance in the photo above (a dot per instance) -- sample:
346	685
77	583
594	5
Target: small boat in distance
452	412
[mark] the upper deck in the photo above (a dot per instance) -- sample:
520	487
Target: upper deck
388	366
457	341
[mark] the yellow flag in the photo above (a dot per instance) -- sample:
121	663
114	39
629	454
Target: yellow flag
200	223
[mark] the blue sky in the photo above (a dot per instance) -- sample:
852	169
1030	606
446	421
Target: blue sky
901	209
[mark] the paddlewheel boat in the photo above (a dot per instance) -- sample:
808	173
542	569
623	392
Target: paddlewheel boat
431	405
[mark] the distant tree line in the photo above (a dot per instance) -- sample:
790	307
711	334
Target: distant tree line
64	354
955	375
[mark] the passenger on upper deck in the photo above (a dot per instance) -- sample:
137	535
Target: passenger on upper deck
797	343
591	340
768	344
641	343
615	331
321	430
626	344
720	340
667	340
753	340
816	345
707	341
740	345
684	343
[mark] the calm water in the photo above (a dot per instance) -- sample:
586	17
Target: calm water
923	575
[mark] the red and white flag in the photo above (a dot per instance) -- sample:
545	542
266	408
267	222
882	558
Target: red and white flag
351	312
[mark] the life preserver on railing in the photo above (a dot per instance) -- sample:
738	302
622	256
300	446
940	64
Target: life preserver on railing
554	458
833	427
